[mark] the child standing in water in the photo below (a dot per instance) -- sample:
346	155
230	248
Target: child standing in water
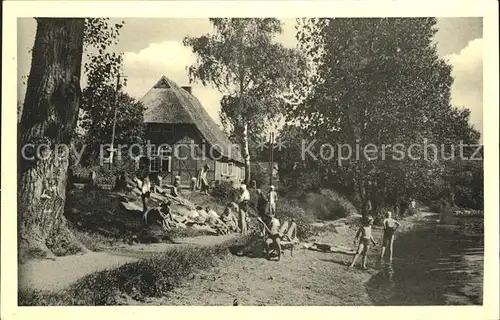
365	237
390	226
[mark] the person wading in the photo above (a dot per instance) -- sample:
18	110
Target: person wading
390	226
364	235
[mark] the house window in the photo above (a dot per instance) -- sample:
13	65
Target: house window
165	155
153	151
166	165
165	151
227	169
155	129
154	165
224	169
167	129
242	173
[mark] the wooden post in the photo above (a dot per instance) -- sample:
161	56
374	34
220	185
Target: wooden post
271	160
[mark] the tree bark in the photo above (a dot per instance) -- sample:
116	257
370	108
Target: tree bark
48	121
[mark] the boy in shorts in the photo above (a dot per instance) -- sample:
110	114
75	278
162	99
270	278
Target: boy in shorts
365	237
390	226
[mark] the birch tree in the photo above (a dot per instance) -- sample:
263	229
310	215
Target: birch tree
242	60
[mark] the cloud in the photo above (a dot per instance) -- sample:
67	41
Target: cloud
467	89
171	59
144	68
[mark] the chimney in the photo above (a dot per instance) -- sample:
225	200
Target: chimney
187	88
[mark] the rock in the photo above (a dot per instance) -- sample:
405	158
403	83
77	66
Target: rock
193	214
213	214
130	206
318	224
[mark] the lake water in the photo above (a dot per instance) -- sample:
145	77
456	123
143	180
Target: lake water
434	264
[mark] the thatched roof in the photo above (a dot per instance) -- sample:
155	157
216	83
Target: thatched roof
166	102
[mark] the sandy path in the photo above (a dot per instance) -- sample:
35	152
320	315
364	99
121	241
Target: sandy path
53	275
307	278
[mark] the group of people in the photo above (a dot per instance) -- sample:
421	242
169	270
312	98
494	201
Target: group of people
266	207
364	238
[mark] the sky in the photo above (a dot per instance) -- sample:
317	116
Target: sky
153	47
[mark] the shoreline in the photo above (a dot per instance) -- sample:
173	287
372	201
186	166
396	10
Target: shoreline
324	276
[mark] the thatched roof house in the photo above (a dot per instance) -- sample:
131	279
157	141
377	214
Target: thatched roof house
175	116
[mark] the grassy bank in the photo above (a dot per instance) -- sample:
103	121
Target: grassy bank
137	281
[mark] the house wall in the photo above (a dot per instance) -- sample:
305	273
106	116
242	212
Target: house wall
187	156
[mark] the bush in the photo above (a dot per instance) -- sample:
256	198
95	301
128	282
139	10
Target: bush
224	191
104	174
289	210
327	205
152	277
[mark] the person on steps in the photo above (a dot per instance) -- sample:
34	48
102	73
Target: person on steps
145	193
204	182
176	187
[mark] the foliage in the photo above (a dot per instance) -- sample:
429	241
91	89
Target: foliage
380	82
260	175
252	71
102	66
290	210
225	191
330	205
98	116
295	171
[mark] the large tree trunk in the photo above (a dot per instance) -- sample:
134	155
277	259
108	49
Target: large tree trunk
246	155
48	119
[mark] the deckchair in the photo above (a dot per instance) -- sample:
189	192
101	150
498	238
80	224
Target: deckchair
288	240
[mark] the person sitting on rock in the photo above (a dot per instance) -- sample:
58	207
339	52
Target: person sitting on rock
160	215
230	219
175	192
